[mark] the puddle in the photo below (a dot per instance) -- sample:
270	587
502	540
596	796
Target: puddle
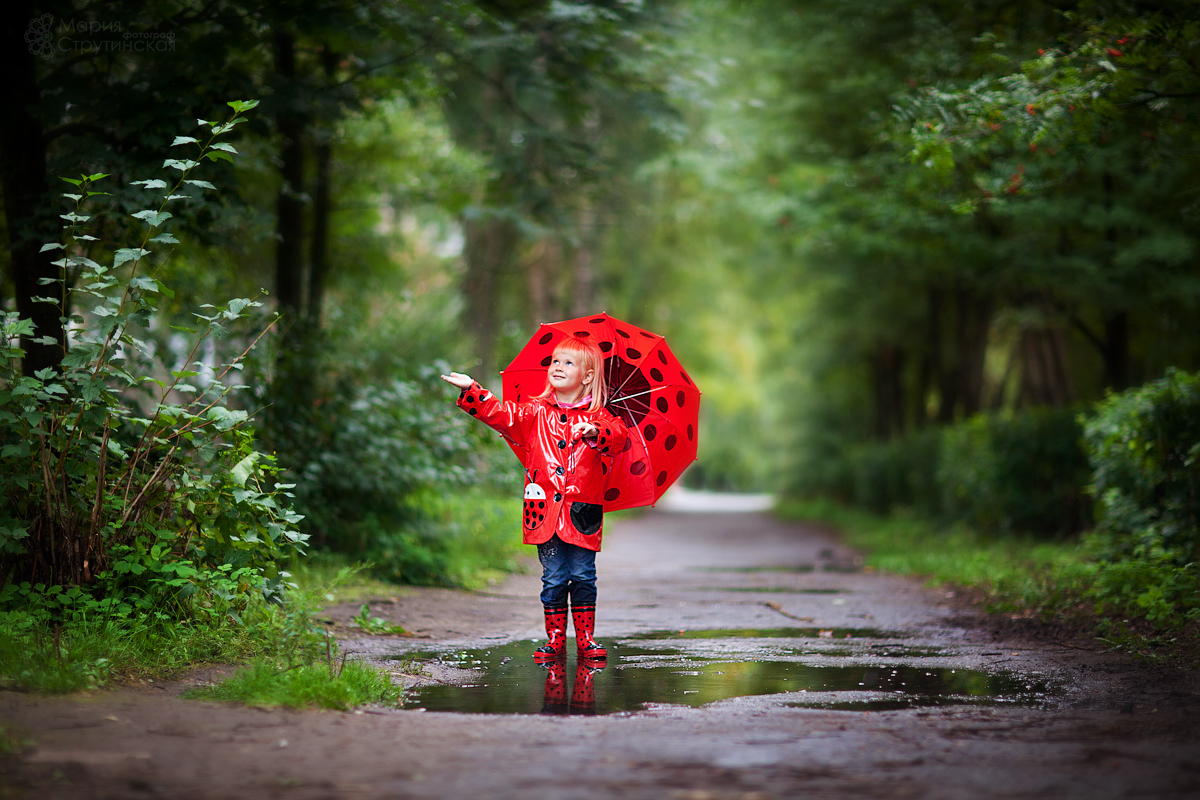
773	633
775	590
796	568
510	682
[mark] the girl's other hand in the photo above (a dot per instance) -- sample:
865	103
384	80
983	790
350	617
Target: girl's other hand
458	379
584	430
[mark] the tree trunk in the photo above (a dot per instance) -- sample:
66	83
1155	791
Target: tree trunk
542	275
489	248
974	321
585	279
1045	377
289	258
30	221
318	258
887	373
1116	351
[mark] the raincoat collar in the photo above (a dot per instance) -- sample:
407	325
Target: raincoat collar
580	403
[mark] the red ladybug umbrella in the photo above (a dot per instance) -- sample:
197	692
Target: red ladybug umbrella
648	390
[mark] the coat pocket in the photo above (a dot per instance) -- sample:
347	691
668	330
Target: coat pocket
587	517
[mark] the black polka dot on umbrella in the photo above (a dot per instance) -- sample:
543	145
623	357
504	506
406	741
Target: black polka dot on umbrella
621	333
638	467
628	444
650	432
583	334
473	411
680	398
612	494
546	361
546	337
541	504
654	373
648	335
669	442
596	320
662	357
606	346
683	375
691	433
662	478
470	398
603	468
634	354
662	404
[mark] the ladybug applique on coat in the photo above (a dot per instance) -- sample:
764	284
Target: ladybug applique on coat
565	480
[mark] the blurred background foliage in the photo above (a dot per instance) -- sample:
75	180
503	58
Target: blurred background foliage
904	251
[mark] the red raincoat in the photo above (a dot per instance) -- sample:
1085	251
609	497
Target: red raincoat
565	480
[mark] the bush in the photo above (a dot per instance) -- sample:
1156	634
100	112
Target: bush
123	493
1024	473
901	472
1144	446
1003	475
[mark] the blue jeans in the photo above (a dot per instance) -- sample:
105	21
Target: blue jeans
567	569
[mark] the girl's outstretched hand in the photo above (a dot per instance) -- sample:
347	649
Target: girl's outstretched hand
584	430
458	379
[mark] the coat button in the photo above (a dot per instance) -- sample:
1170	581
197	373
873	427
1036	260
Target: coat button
561	444
563	418
558	470
557	497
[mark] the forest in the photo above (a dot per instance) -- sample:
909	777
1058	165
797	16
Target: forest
933	265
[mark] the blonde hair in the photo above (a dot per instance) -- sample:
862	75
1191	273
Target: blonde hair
590	358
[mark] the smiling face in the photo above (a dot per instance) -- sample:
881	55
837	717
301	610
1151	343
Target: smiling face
568	375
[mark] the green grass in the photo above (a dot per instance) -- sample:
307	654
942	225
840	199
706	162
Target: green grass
264	683
1137	606
90	654
1013	573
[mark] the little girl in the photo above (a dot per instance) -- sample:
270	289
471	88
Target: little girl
567	439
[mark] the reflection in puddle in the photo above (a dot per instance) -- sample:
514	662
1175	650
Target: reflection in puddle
510	682
776	590
774	633
794	568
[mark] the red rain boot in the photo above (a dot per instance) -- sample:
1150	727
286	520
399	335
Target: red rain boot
556	631
554	700
583	695
585	622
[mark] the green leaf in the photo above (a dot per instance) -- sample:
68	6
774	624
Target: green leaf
75	197
129	254
182	166
153	218
203	122
242	105
217	155
153	183
178	197
228	148
72	181
242	470
144	283
96	177
165	238
52	246
73	217
185	140
201	184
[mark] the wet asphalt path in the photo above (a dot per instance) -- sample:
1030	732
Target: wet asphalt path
1106	730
